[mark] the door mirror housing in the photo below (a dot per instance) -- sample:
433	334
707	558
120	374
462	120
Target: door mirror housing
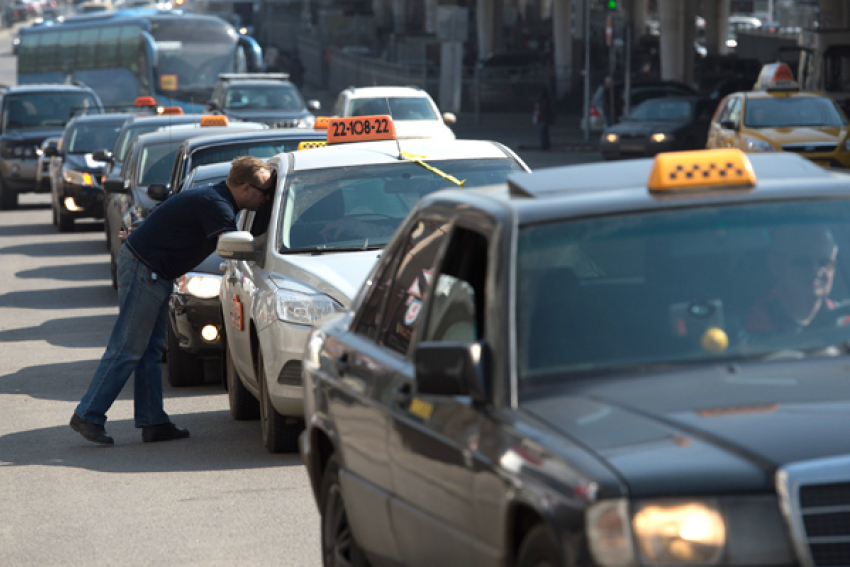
453	369
211	105
449	118
158	192
728	125
314	105
51	150
102	155
115	186
238	245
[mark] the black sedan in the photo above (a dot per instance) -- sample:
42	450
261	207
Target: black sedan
605	364
658	125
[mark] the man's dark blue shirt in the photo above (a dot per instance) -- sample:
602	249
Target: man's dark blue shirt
181	232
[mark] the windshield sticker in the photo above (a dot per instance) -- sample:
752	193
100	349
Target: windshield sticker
169	45
168	82
415	159
412	312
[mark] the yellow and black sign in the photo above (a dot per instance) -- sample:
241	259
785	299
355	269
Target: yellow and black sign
306	145
701	169
360	129
321	123
168	82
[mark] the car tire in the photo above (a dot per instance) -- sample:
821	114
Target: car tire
8	198
539	548
243	405
184	369
278	435
66	222
338	545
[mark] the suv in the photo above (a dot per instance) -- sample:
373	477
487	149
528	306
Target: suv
28	115
262	97
414	112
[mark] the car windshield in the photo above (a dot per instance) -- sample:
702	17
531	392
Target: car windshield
618	293
39	110
155	161
260	148
400	108
791	112
665	110
278	97
362	206
136	129
87	138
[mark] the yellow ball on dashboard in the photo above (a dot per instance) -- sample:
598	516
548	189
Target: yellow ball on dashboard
714	339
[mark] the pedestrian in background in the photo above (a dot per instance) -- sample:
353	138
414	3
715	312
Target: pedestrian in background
544	116
174	238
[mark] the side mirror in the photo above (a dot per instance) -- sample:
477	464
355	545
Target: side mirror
728	125
453	369
237	245
449	118
211	105
51	150
114	185
158	192
314	105
102	155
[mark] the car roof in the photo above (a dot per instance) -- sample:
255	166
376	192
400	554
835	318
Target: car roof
561	193
46	87
119	118
383	152
370	92
259	135
178	136
781	93
240	83
165	118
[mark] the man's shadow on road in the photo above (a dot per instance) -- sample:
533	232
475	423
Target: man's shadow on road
217	443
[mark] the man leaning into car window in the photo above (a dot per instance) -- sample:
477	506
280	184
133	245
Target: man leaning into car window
172	240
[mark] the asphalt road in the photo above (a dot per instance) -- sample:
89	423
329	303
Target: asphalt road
217	498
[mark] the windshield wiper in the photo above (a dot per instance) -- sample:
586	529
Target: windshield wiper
324	249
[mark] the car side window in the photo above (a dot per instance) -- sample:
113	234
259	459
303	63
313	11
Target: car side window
735	110
457	307
411	284
723	110
369	316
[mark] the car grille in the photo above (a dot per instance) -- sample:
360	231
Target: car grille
822	148
633	136
816	500
290	375
285	123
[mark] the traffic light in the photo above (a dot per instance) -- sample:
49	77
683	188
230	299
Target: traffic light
612	4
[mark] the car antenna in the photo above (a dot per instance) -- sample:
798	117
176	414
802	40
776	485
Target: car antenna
397	143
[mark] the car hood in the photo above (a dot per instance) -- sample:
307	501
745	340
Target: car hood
734	425
434	129
781	136
339	275
649	127
83	162
267	115
35	135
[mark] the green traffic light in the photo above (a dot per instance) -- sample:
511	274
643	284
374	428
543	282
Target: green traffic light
612	4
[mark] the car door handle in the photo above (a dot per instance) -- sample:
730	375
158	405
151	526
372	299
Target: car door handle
402	396
341	363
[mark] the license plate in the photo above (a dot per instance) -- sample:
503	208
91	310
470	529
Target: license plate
631	148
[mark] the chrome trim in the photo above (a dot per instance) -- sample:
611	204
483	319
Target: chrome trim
789	479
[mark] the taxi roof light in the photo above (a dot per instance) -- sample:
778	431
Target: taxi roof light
360	129
214	120
776	77
145	101
321	123
308	144
700	170
171	110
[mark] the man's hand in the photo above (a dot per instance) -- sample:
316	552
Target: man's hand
123	234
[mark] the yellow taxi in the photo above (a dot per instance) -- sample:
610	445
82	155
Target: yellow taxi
778	116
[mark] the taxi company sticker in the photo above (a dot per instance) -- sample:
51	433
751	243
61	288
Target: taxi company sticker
414	289
236	313
420	408
168	82
412	312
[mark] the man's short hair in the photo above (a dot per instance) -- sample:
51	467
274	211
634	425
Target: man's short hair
244	169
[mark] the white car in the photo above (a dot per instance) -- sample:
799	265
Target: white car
307	254
414	112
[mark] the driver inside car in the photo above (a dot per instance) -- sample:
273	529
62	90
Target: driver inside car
801	264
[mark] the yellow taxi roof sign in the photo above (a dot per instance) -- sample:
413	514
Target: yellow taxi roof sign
144	101
172	110
701	170
321	123
214	120
307	144
776	77
360	129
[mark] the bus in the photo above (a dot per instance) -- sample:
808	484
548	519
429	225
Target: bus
825	64
174	57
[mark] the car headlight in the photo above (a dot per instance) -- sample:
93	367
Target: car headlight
203	286
659	137
13	150
741	530
302	308
756	145
306	122
72	177
611	138
680	532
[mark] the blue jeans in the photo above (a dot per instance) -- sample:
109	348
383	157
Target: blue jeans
136	345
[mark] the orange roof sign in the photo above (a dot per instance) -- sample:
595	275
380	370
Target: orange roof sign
145	101
360	129
700	170
321	123
776	76
214	120
172	110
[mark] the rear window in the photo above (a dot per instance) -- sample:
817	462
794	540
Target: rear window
40	110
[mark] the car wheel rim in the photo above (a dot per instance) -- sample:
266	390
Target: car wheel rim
338	540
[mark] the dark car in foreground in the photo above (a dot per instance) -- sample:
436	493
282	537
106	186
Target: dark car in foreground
659	125
262	97
609	364
75	176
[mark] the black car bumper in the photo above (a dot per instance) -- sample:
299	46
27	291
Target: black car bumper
88	201
189	315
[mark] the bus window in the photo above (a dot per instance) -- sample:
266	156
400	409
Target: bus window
836	69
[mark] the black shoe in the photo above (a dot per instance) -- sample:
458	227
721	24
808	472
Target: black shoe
163	432
91	431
